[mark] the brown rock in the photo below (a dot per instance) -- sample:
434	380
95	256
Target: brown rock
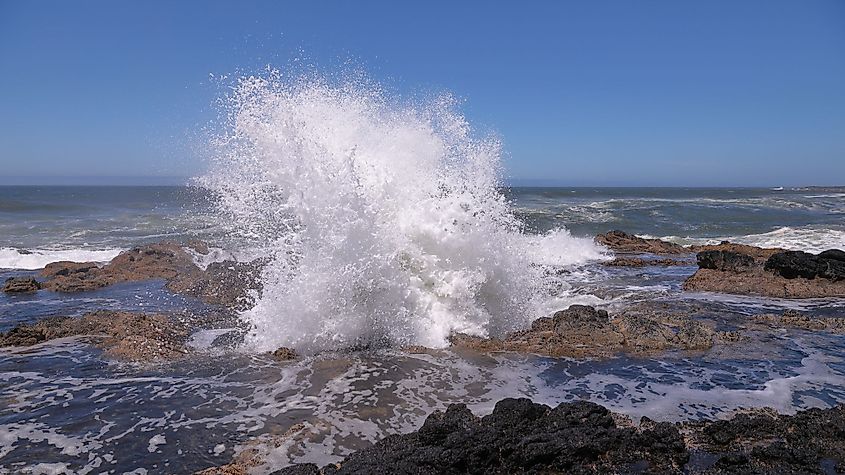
123	335
794	319
640	262
619	241
583	331
760	282
14	285
228	283
284	354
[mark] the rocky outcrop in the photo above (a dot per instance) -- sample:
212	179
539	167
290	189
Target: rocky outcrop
622	242
18	285
729	261
640	262
228	283
521	436
770	272
794	319
583	331
828	265
123	335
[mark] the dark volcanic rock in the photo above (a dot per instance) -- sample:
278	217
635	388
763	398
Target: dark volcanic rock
124	335
794	264
619	241
584	438
725	261
518	437
21	284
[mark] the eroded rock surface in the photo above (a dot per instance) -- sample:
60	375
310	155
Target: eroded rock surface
584	438
770	272
585	331
794	319
228	283
19	285
640	262
123	335
620	241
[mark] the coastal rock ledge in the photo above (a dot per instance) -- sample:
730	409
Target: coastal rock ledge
581	437
770	273
583	331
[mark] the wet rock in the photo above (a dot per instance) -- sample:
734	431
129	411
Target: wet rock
764	442
769	272
581	437
640	262
619	241
284	354
123	335
727	246
15	285
795	264
794	319
521	437
583	331
725	261
228	283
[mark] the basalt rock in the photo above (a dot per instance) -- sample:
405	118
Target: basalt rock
16	285
520	437
725	261
123	335
794	264
584	438
619	241
583	331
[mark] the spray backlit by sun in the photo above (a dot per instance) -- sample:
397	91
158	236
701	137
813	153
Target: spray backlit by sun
384	220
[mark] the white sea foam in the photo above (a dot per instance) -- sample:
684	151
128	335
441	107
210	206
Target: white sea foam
808	238
12	258
385	219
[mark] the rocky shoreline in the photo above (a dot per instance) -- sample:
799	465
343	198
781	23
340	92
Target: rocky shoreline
519	436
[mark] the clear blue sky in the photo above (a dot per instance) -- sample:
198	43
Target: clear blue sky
588	93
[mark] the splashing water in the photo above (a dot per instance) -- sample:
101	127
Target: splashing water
384	221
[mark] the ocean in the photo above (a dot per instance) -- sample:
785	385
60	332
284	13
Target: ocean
96	222
64	408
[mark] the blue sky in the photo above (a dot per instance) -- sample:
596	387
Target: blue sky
589	93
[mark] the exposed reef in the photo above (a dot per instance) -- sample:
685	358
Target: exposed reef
770	273
583	331
122	335
581	437
228	283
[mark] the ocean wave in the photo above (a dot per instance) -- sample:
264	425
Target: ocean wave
808	239
13	258
386	219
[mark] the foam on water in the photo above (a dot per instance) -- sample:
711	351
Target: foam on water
384	219
807	238
12	258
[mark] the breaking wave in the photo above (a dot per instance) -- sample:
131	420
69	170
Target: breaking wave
384	219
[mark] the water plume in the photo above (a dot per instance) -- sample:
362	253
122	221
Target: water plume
384	220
